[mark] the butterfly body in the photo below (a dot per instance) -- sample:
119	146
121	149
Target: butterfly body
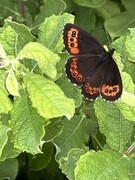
90	65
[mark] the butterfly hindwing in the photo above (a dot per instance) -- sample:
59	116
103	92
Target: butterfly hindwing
81	68
111	87
78	41
91	87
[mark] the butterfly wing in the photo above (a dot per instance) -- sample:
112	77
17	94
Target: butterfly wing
106	80
80	69
90	65
78	41
111	87
91	87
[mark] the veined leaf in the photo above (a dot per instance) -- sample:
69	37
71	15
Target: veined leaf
48	98
49	8
50	32
132	168
128	83
127	110
129	99
102	165
27	126
5	103
45	58
3	136
71	92
9	151
23	33
73	136
2	52
127	103
130	44
118	25
113	125
12	84
53	129
9	39
68	164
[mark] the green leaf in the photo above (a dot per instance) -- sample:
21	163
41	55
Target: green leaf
127	103
23	33
2	54
102	165
9	151
68	164
3	136
40	161
104	11
130	44
82	20
113	125
45	58
51	30
5	103
119	24
129	99
9	39
119	45
128	83
8	8
69	6
9	169
71	92
127	107
90	3
27	126
129	5
49	8
53	129
132	168
48	98
74	135
130	69
12	84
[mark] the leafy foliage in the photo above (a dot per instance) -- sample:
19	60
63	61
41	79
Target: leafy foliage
46	126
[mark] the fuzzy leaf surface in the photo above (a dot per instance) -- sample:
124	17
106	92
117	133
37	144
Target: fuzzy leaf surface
48	98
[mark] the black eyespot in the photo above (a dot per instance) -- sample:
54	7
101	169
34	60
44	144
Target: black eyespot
106	91
110	91
114	89
71	39
72	44
73	33
74	74
73	68
79	79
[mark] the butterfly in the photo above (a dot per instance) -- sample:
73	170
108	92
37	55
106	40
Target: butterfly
90	65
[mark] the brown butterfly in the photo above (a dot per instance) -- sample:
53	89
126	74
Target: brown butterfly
90	65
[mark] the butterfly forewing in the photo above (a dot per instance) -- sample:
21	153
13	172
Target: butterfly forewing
78	41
